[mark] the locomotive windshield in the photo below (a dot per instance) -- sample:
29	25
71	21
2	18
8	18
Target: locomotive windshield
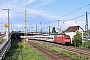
67	37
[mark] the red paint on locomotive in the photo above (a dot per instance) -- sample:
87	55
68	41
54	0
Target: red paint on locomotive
63	39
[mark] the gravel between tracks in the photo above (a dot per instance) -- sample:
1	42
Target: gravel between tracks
79	51
49	54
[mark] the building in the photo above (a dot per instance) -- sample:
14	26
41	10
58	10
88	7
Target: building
71	31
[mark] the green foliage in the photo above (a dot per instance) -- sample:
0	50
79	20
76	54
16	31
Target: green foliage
30	54
77	40
53	30
14	51
89	32
83	45
1	40
89	44
19	52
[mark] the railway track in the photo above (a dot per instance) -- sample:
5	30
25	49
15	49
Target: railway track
78	51
49	53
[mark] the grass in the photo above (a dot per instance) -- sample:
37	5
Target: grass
1	40
28	53
65	53
85	45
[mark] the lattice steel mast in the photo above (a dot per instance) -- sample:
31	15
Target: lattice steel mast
25	33
86	26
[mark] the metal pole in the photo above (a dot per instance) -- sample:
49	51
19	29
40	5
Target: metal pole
49	30
8	21
25	34
1	27
41	28
58	26
86	25
11	26
36	29
86	30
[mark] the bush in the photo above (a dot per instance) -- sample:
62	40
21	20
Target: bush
77	40
83	45
89	44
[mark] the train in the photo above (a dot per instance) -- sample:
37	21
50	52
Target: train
62	39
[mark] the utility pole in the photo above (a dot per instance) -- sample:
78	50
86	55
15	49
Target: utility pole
11	26
25	34
8	22
86	28
41	28
36	29
49	30
1	27
59	29
32	29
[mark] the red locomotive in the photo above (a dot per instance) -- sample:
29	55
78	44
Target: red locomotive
63	39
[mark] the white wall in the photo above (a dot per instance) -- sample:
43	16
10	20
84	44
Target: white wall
81	31
71	34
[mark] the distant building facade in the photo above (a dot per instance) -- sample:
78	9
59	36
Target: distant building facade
71	31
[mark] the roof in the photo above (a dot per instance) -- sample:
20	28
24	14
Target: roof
73	28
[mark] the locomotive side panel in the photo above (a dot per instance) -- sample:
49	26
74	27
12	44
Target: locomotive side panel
58	39
63	39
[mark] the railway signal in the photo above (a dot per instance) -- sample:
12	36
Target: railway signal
6	26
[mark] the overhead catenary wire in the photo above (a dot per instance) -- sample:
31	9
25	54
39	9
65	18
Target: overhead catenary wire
75	10
89	8
48	22
44	24
69	20
71	13
76	18
50	26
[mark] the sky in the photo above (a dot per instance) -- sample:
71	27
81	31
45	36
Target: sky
45	11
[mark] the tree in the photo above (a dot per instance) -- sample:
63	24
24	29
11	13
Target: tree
53	30
77	40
